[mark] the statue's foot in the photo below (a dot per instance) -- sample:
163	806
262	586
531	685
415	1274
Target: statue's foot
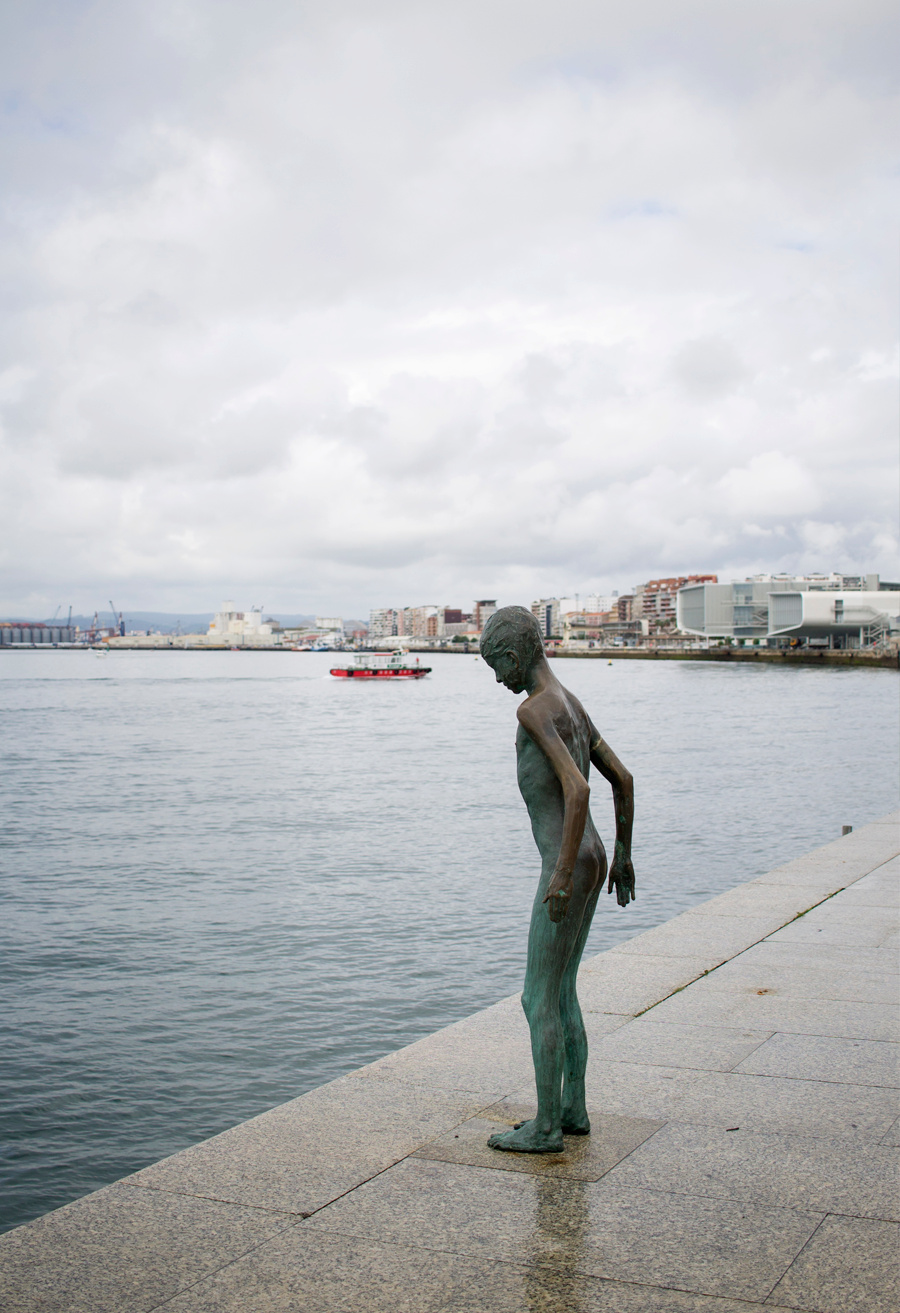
526	1137
574	1119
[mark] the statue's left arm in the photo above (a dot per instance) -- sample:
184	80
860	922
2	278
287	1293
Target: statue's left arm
621	871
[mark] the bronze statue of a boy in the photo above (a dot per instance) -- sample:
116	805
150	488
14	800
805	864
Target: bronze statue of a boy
555	745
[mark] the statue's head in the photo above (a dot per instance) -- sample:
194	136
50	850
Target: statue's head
512	644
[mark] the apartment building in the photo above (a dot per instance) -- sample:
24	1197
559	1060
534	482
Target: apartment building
596	603
413	621
586	625
655	601
383	623
421	623
549	611
483	612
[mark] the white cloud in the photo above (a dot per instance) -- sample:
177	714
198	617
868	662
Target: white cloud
771	485
395	302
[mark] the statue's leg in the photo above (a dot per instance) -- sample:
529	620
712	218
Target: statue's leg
550	946
575	1120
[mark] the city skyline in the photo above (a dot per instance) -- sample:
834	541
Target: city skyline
397	301
835	609
578	600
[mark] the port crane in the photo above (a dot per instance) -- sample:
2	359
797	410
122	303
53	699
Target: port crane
118	624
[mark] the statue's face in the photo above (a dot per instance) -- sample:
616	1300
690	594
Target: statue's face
508	669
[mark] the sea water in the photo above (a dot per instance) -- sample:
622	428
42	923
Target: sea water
228	877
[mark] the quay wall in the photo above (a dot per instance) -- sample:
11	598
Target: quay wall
728	656
753	655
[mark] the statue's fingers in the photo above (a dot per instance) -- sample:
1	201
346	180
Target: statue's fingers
626	894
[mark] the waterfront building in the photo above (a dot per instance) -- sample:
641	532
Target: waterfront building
655	601
598	602
549	612
483	612
457	623
28	632
849	618
413	621
229	623
583	626
430	624
464	628
546	612
330	624
587	628
383	623
828	610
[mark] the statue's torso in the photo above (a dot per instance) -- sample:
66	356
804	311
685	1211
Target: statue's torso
540	786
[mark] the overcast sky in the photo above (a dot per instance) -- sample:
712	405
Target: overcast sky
332	305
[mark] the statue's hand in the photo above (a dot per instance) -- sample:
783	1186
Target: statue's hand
621	875
559	893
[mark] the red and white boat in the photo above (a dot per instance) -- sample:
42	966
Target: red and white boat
382	665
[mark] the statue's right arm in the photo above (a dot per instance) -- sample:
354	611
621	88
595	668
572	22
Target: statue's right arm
621	871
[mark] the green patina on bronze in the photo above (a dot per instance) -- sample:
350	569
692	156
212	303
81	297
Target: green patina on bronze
555	745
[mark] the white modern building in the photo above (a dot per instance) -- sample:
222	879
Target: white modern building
845	619
842	610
